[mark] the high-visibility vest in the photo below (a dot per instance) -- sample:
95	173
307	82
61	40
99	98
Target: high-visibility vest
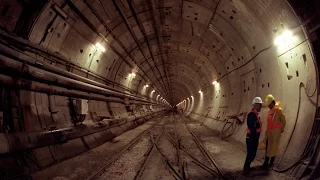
270	118
258	130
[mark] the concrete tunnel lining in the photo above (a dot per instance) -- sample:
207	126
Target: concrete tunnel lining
179	48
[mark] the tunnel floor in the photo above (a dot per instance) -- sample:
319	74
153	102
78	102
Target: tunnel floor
168	147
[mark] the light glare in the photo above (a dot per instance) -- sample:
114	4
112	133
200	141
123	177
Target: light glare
284	37
100	47
133	75
214	82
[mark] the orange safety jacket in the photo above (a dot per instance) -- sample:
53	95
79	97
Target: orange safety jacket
258	130
271	124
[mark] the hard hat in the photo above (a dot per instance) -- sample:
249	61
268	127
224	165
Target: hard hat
257	100
269	99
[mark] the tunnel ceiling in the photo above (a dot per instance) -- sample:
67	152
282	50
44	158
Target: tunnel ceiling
168	39
174	45
178	47
89	49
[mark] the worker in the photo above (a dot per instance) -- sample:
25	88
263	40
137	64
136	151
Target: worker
254	127
276	124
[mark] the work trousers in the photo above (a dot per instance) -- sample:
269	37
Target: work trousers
252	147
266	160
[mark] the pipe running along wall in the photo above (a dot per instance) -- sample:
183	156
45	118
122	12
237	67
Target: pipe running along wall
208	57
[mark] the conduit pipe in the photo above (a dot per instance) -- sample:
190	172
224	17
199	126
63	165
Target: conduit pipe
50	67
29	85
22	57
19	141
55	90
9	66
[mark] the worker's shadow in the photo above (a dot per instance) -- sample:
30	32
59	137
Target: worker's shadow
256	174
259	172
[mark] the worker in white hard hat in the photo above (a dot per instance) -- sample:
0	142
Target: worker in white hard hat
276	124
254	127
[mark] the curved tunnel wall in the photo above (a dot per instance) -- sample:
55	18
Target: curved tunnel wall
287	71
179	48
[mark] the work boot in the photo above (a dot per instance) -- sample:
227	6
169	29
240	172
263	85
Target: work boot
264	167
270	167
265	163
246	173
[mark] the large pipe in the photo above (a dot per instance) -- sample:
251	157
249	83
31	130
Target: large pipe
50	89
20	141
9	66
22	57
49	67
55	90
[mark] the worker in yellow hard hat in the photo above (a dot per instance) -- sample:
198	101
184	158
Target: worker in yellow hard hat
276	123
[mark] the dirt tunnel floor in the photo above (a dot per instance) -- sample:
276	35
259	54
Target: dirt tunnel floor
156	155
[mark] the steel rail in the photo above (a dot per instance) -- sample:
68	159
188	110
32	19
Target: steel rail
164	159
202	165
205	152
133	142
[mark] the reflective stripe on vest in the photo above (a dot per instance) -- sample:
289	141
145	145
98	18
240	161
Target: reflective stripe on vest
271	124
258	130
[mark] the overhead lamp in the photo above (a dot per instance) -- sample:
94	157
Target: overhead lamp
147	85
200	91
133	75
284	37
100	47
214	82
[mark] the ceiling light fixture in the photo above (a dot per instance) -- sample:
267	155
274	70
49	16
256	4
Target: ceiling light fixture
284	37
133	75
214	82
100	47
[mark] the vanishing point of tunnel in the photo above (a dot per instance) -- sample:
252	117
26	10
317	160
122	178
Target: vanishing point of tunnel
159	89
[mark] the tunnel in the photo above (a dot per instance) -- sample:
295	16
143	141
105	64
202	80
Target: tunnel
87	85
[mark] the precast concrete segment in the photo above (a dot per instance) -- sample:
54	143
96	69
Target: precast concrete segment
231	42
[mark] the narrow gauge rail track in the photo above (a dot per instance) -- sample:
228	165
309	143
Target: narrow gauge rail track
179	171
213	164
134	141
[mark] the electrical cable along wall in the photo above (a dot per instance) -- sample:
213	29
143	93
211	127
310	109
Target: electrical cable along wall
275	56
48	112
133	59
